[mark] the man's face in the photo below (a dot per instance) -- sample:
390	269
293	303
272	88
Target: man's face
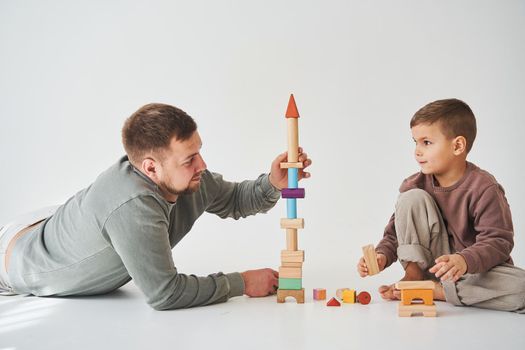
434	151
181	168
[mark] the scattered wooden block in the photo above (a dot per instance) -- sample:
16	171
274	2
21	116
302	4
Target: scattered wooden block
319	294
339	293
415	285
292	223
297	294
333	302
288	165
349	296
414	309
290	272
290	283
292	255
292	193
364	298
409	295
370	257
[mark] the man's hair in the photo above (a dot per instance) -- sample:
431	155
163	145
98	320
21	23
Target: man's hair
455	118
151	128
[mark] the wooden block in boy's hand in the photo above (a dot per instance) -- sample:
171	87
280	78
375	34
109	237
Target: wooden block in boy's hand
370	257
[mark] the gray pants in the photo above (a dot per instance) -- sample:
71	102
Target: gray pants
422	237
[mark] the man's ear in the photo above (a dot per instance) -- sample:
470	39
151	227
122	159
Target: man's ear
150	167
460	145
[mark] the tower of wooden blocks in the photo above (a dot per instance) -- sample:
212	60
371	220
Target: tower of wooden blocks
291	269
422	291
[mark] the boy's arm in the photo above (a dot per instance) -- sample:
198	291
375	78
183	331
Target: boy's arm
492	221
388	245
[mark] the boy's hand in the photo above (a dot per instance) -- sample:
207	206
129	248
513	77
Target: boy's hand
279	177
449	267
260	283
362	269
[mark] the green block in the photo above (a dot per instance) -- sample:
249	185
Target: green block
291	283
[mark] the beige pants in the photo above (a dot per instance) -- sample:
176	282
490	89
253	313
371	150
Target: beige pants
9	231
422	237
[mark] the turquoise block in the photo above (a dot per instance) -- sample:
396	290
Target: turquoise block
291	208
293	178
291	283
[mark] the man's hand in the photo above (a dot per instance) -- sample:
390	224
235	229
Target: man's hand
362	269
449	267
279	177
260	283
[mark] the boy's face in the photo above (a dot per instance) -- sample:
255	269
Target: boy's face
434	152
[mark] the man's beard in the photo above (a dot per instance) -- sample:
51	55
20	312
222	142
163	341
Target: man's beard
172	190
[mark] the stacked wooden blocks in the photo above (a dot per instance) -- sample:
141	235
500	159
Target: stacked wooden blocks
422	291
291	269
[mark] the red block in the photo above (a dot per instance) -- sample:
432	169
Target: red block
364	298
333	302
291	111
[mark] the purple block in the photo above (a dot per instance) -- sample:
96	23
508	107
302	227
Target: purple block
292	192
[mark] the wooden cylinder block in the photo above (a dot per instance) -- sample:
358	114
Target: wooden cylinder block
293	140
291	239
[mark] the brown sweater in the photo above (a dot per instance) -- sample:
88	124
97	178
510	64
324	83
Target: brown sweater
476	214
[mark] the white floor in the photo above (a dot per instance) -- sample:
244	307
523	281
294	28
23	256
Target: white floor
122	320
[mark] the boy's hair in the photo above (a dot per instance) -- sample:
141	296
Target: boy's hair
455	117
151	128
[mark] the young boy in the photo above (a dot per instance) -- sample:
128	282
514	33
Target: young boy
452	221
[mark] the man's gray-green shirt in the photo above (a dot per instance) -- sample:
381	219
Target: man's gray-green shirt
121	228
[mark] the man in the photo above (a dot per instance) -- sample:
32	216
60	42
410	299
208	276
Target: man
125	224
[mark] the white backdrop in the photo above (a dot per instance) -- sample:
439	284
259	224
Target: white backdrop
72	71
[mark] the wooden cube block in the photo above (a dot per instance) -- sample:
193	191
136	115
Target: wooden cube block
292	255
290	283
291	264
349	296
297	294
319	294
370	257
292	223
415	285
290	272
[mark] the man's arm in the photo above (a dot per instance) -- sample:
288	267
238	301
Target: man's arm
237	200
138	231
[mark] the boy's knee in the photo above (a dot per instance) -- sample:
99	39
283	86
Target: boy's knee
413	197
